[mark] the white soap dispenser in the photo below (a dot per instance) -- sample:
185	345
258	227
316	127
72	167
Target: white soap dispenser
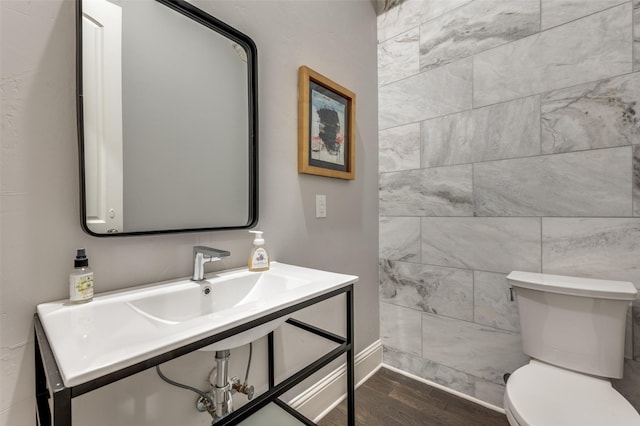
259	258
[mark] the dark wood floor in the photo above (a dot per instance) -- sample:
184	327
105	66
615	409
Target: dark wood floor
391	399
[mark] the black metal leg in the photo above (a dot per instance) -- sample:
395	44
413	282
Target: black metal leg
272	374
43	414
49	382
351	396
62	408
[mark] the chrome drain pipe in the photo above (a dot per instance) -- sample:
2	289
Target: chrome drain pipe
218	401
222	386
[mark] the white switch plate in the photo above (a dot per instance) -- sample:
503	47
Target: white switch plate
321	206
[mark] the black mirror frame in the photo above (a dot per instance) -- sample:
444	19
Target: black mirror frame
222	28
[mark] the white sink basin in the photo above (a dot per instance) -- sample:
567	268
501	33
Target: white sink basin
189	300
119	329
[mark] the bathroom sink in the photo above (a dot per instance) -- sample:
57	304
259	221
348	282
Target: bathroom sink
190	300
121	328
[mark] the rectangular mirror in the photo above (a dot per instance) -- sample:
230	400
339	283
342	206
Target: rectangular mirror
167	119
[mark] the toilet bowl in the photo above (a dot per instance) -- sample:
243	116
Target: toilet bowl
542	394
574	330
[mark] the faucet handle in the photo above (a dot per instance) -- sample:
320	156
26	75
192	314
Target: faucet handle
210	251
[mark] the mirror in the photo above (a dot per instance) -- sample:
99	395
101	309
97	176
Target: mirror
167	119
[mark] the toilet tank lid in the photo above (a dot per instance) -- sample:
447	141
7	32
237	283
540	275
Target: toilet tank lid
574	286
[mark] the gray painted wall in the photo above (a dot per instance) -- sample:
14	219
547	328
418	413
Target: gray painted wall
39	196
509	140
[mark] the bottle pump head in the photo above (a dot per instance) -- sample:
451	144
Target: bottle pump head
81	258
258	241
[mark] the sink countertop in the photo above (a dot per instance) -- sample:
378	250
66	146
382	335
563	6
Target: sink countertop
103	336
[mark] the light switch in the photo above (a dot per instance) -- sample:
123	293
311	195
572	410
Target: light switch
321	206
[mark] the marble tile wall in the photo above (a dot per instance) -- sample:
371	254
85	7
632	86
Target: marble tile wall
504	130
440	191
433	289
482	243
636	35
557	12
483	352
573	184
398	58
446	141
399	148
487	24
439	373
437	92
411	13
490	291
601	114
401	328
636	180
405	16
597	46
509	140
399	238
592	247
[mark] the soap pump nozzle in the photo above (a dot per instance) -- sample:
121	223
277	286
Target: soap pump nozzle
258	241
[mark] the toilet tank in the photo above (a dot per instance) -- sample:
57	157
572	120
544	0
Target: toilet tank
574	323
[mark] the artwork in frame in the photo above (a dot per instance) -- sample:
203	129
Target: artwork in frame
326	126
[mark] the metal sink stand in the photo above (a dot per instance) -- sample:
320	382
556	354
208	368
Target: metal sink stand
49	384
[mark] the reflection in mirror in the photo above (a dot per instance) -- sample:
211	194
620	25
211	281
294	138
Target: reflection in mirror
167	117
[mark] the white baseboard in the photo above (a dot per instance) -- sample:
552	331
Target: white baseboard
328	392
446	389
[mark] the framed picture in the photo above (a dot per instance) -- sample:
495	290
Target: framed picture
326	126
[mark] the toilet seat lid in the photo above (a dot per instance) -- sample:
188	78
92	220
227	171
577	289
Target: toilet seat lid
541	394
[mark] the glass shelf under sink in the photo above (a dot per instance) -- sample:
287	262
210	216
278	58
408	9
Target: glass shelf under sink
272	414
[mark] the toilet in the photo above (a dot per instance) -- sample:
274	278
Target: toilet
574	330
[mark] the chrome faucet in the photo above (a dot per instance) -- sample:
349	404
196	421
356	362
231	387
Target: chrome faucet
202	255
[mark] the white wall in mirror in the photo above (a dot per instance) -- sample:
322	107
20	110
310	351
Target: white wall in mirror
102	114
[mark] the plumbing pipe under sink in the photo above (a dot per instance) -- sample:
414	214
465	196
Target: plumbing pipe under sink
222	387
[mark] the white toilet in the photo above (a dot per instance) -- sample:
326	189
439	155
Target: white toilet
574	330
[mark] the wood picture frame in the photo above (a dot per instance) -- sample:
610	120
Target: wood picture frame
326	126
